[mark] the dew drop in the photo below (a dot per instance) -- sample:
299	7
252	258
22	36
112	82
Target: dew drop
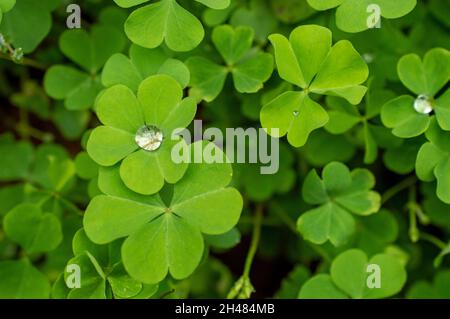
368	57
295	113
422	104
149	137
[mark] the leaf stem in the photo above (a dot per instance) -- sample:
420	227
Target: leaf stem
434	240
413	230
256	235
25	61
394	190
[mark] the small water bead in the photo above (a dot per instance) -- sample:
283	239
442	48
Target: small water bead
423	105
295	113
149	137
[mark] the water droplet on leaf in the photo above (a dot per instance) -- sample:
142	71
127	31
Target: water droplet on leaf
423	104
295	113
149	137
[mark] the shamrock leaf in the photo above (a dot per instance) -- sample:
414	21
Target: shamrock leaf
20	280
138	131
344	116
353	15
166	20
340	193
438	289
142	63
409	116
433	160
350	278
249	68
78	88
35	231
309	61
102	272
161	237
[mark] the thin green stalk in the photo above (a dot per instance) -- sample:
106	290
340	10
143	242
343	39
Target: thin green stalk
256	235
413	230
434	240
394	190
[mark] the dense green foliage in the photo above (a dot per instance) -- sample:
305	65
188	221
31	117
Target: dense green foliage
361	114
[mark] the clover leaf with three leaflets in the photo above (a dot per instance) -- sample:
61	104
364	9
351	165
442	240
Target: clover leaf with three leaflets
249	67
349	278
166	20
433	160
90	51
309	61
408	116
137	131
119	69
353	15
340	193
165	236
344	117
102	273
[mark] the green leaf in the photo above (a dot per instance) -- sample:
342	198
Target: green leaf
428	77
232	43
129	3
341	72
215	4
349	273
294	114
377	231
85	167
207	78
250	75
250	68
35	231
201	203
20	280
309	61
442	173
15	160
258	16
442	109
142	63
400	115
75	87
158	103
352	15
26	15
438	289
340	193
91	50
166	21
321	287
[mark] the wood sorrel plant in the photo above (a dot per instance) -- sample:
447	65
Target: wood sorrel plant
92	204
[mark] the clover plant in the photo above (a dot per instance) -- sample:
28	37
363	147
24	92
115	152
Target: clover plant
130	168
